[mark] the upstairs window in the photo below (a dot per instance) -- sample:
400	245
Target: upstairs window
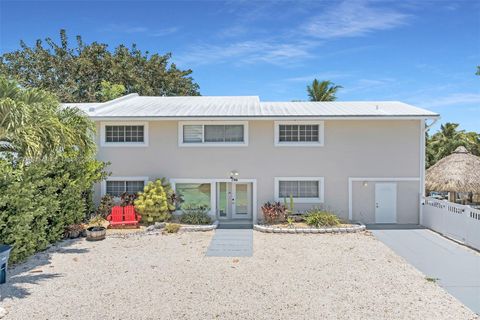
206	134
301	133
124	134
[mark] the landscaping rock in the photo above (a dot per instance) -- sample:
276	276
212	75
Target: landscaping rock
150	228
159	225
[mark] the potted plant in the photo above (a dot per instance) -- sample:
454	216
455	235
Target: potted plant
96	231
74	231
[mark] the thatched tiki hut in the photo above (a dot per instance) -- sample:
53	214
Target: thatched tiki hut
458	172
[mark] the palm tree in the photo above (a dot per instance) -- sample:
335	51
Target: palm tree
33	125
446	140
322	91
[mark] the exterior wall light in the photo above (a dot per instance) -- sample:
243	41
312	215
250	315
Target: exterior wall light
234	175
365	183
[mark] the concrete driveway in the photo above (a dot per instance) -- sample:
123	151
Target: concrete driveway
456	267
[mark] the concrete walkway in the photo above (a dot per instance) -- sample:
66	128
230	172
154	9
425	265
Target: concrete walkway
456	267
231	243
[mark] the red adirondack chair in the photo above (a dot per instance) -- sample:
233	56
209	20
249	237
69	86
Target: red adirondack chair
123	216
130	216
116	216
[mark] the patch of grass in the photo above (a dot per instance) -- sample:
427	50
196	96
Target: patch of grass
172	228
430	279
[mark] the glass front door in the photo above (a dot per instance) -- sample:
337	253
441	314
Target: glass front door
234	200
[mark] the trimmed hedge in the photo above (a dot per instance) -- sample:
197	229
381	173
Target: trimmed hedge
39	199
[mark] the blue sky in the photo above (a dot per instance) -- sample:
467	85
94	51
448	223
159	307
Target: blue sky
420	52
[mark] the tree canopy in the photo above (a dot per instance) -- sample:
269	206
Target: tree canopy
447	139
322	91
75	74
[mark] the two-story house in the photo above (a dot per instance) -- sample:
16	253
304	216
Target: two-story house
363	160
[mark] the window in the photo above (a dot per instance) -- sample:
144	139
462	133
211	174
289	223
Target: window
301	133
116	188
299	189
298	132
198	194
213	134
224	133
303	190
124	134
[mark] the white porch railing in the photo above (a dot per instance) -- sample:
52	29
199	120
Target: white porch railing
456	221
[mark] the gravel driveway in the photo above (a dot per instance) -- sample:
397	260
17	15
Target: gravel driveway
290	276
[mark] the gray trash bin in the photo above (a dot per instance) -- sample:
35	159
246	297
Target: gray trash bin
4	254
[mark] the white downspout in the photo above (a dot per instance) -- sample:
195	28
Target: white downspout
423	129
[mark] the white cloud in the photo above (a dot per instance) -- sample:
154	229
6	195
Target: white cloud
293	44
353	18
248	52
320	76
128	29
164	32
451	100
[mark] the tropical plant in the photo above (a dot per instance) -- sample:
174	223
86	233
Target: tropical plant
321	218
290	221
153	202
34	126
48	168
274	212
195	214
105	206
127	199
94	72
97	221
322	91
447	139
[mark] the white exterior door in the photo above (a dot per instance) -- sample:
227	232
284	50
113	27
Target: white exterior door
241	200
385	202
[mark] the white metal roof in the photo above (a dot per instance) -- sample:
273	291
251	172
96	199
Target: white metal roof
82	106
134	106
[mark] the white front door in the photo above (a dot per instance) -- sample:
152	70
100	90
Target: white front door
241	200
385	202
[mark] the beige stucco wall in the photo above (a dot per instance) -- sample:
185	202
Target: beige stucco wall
353	148
408	197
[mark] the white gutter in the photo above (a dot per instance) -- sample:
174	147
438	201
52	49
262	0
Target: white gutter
261	118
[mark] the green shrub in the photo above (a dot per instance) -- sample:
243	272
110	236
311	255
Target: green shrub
172	228
194	214
320	218
38	200
154	202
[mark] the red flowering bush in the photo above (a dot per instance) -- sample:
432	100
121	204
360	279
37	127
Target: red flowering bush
274	212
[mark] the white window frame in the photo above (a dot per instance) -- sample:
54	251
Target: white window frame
103	185
103	142
321	134
321	191
212	144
